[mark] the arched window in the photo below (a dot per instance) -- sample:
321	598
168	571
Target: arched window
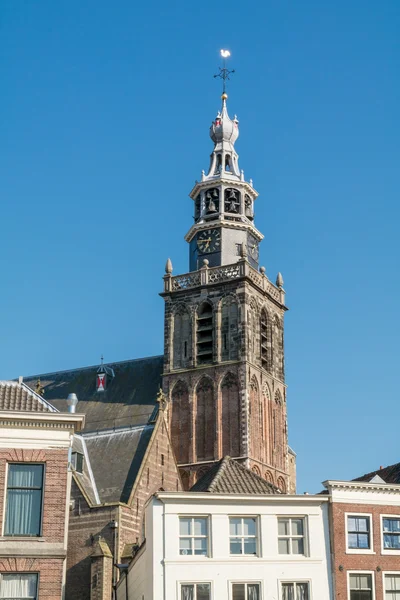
252	331
266	401
180	422
205	334
278	431
269	477
256	423
281	484
231	416
182	342
205	420
229	329
266	341
278	343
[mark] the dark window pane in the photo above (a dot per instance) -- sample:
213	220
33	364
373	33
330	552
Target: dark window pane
238	591
203	591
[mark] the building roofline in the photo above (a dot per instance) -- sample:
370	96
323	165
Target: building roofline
120	362
361	485
29	418
267	498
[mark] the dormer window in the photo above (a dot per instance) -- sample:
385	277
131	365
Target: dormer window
77	462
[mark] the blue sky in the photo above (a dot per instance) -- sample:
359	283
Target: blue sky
104	116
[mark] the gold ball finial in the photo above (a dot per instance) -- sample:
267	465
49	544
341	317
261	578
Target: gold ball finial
224	96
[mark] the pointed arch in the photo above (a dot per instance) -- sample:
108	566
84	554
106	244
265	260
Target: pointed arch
269	477
230	416
229	328
266	340
182	338
180	422
278	344
205	333
256	470
252	330
256	422
278	434
205	419
281	484
266	401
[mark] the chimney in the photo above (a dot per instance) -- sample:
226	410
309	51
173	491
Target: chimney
72	401
20	379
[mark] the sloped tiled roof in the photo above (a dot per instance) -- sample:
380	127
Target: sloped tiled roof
390	474
16	396
129	399
115	457
230	477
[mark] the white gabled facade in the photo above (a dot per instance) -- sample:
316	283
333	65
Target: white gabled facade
161	572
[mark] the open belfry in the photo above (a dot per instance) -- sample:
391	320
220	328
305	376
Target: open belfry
224	324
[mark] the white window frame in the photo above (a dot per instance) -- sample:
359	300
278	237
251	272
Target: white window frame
361	572
242	537
37	573
390	573
296	580
208	537
369	550
392	552
306	551
246	582
185	582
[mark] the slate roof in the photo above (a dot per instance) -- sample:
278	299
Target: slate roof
390	474
230	477
112	461
20	397
129	400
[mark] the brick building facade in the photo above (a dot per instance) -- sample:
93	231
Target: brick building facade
35	486
365	539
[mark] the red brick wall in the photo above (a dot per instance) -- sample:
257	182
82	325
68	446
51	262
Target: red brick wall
50	573
53	524
55	486
87	523
376	562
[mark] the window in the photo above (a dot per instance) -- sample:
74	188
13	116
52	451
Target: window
196	591
391	533
24	500
19	586
245	591
358	532
295	591
360	586
291	535
193	534
243	535
77	461
392	587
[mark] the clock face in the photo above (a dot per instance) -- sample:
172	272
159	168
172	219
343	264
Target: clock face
209	241
252	248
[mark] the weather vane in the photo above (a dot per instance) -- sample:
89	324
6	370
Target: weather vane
223	71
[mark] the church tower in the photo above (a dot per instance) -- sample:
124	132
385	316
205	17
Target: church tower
224	354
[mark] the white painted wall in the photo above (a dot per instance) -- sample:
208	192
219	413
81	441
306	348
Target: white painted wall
157	574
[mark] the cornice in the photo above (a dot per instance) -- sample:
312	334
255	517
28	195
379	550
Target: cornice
35	420
201	185
362	486
223	224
